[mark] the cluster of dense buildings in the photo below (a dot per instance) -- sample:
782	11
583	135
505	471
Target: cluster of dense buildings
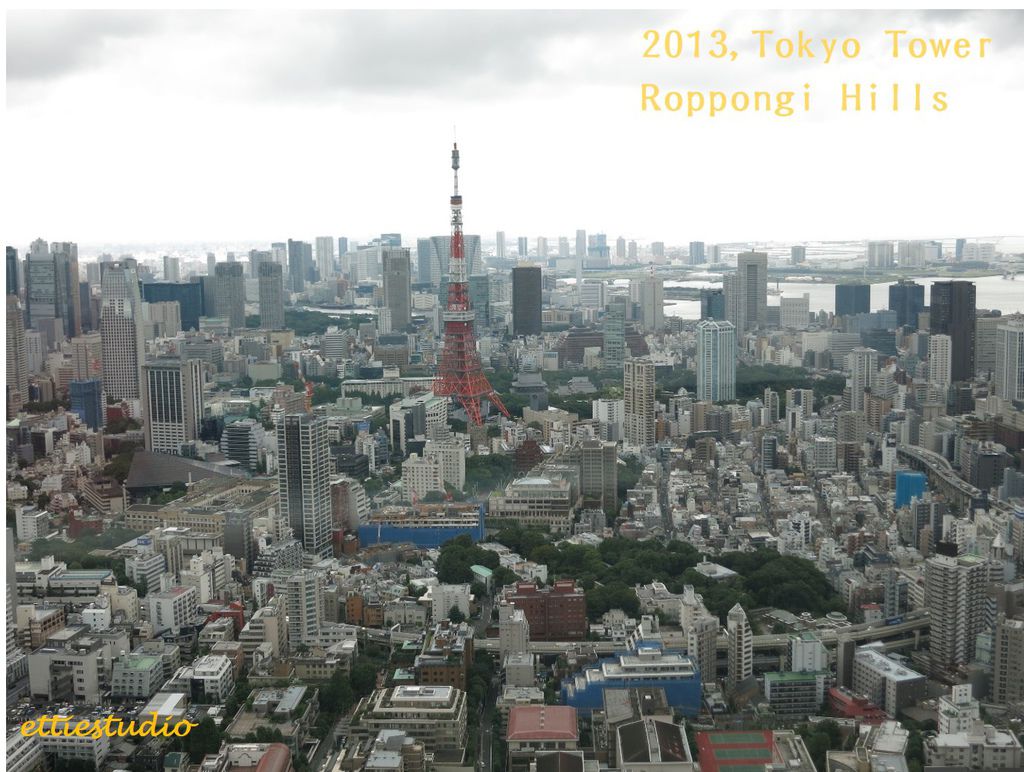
271	503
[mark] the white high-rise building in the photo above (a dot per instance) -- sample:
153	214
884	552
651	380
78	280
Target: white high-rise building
450	455
862	364
303	474
17	352
304	600
325	257
611	416
581	254
716	361
591	293
701	629
638	393
1009	373
807	653
172	268
940	360
121	330
499	245
955	591
173	403
741	645
795	312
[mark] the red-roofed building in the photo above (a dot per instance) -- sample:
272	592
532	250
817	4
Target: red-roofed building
843	703
533	728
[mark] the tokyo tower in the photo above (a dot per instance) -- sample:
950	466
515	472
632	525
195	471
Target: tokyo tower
459	374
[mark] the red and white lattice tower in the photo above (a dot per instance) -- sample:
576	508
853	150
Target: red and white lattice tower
459	373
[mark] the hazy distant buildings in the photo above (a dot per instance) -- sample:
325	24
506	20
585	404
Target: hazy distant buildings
953	313
229	293
300	255
325	257
696	253
716	361
881	254
271	289
526	300
797	254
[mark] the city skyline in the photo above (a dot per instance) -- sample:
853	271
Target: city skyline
118	71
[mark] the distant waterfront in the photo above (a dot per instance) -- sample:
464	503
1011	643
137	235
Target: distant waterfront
993	292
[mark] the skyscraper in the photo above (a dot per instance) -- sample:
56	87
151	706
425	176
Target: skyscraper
303	476
940	363
230	293
304	601
955	591
526	300
953	312
1008	376
638	394
620	249
614	330
863	364
13	286
439	254
906	298
741	645
716	361
87	402
397	286
797	254
51	286
188	294
121	330
325	257
712	304
17	356
649	293
298	252
853	299
746	291
271	284
523	246
881	254
480	300
87	356
499	245
696	253
172	268
173	404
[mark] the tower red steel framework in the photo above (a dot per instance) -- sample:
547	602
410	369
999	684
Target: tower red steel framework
459	374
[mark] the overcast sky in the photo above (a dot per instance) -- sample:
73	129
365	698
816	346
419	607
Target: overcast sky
259	126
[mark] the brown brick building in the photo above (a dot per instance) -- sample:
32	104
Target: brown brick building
556	613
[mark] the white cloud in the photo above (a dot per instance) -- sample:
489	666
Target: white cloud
263	125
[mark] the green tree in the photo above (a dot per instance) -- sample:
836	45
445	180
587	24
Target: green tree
203	739
456	615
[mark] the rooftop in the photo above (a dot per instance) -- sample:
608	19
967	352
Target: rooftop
542	722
